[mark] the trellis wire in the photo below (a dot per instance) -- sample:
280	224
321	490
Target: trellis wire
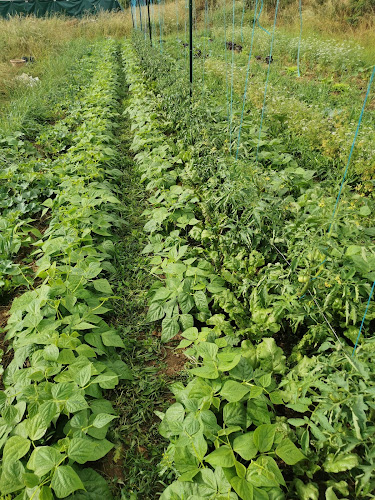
351	151
260	12
364	317
268	75
247	77
321	267
231	81
300	37
320	310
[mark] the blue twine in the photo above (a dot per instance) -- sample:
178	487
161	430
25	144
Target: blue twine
261	27
300	37
247	78
231	84
242	18
351	150
341	188
135	14
364	317
268	74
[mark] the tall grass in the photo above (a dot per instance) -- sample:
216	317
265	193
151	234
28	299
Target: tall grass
46	39
29	35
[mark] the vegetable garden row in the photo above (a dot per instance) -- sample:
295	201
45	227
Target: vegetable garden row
274	405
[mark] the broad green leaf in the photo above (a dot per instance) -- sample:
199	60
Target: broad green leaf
296	422
107	380
43	459
10	414
86	350
83	376
330	494
306	491
155	312
200	300
48	410
45	493
31	480
102	419
208	370
101	449
276	398
174	416
221	457
76	403
244	445
15	448
186	302
11	478
63	391
234	414
270	356
186	321
207	350
257	411
289	452
96	487
102	285
228	360
264	436
111	339
365	210
255	392
170	329
65	481
243	488
341	462
36	427
240	469
260	476
199	445
66	357
51	352
243	370
234	391
81	450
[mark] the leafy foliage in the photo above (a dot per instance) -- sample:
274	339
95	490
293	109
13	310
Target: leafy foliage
220	223
53	411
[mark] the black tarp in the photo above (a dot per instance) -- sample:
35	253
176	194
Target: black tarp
42	8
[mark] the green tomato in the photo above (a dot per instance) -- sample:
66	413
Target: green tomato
303	278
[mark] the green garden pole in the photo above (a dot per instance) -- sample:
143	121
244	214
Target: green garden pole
149	22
